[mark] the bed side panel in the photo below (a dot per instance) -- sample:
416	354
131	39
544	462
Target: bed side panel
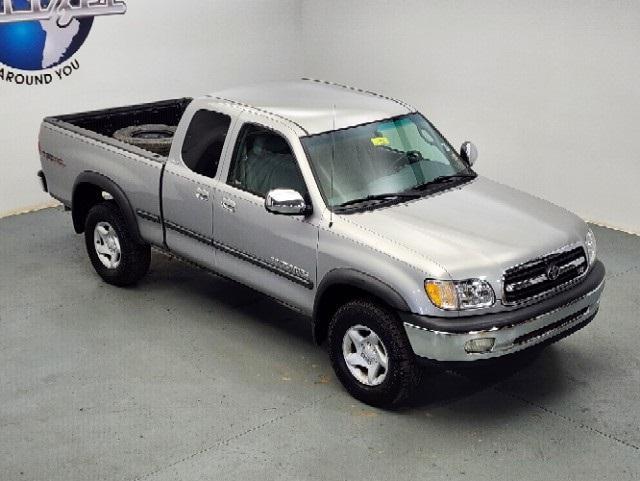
65	154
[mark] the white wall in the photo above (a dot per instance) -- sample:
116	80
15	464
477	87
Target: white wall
159	49
549	90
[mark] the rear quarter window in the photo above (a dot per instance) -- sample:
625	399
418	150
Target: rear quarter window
204	141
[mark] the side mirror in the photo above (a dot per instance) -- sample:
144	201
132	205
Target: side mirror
469	153
285	202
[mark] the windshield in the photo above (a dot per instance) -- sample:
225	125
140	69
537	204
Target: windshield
385	157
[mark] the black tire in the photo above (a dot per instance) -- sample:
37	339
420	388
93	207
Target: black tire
155	138
403	372
134	258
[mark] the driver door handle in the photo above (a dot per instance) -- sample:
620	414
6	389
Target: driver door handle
228	204
202	194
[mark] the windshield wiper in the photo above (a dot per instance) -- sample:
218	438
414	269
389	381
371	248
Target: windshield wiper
408	194
443	179
374	197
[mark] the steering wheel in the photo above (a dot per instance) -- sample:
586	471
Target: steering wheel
407	158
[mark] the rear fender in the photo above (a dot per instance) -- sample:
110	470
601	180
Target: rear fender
88	191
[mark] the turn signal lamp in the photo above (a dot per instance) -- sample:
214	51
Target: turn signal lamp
442	294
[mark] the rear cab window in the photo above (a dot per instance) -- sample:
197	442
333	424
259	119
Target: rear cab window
204	142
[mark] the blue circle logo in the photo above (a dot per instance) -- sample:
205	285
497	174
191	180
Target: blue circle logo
40	44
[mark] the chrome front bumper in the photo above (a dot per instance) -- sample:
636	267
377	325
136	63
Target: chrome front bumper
450	346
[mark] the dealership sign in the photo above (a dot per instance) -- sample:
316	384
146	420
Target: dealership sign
38	36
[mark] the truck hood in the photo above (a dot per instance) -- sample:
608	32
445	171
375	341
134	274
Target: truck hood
477	229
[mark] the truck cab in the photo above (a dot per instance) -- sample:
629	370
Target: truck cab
224	161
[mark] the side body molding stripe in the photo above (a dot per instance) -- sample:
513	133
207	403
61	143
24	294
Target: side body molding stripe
307	283
148	216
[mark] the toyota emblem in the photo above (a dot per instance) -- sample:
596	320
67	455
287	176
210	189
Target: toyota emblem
553	271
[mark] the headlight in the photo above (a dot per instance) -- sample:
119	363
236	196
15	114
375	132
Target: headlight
459	295
590	244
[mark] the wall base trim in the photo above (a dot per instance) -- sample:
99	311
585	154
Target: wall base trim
29	209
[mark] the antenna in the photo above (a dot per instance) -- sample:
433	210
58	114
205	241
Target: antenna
333	160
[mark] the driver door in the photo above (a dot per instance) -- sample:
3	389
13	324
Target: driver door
275	254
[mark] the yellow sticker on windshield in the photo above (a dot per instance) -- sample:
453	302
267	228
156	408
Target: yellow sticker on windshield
378	141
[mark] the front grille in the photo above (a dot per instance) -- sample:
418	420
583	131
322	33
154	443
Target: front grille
543	275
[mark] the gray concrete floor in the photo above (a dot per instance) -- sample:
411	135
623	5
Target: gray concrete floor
192	377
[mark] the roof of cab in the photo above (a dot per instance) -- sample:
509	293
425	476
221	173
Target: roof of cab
310	104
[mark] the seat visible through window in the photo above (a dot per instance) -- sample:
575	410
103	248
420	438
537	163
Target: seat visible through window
263	161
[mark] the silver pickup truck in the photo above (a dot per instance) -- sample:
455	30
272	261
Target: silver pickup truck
343	204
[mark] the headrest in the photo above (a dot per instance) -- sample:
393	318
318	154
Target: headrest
271	143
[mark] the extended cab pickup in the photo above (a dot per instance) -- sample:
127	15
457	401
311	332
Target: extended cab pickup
343	204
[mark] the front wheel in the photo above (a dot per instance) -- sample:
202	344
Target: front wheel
114	253
371	354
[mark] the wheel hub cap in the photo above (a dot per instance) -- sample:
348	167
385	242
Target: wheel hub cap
365	355
107	245
369	354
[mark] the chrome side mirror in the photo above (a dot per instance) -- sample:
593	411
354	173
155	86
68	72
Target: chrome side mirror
285	202
469	152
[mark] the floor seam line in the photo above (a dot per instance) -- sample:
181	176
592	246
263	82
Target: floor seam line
619	274
570	420
227	441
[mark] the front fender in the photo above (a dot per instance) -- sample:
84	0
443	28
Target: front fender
352	277
339	285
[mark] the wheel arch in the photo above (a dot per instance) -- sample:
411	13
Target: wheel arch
88	191
343	284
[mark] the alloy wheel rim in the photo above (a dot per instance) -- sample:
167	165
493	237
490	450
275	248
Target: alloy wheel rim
107	245
365	355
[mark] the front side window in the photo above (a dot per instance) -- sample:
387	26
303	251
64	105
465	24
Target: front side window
397	155
204	141
263	161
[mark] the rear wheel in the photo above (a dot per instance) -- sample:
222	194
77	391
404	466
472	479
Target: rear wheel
371	354
114	253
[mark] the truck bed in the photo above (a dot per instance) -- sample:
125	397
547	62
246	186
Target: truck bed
76	145
102	124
